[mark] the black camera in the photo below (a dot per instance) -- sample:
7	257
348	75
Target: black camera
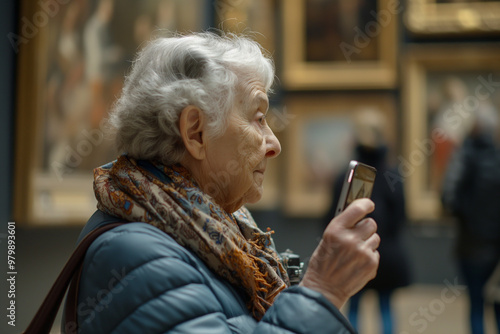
293	266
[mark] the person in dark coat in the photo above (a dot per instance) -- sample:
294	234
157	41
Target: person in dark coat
470	192
390	215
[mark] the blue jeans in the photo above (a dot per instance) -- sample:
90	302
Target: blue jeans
476	272
384	298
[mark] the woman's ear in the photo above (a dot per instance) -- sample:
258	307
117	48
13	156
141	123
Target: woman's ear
191	123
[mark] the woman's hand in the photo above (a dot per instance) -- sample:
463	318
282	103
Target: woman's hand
347	257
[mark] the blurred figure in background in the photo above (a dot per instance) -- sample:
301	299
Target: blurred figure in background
471	190
388	195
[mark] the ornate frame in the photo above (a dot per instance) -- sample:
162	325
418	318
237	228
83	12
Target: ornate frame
58	191
332	113
380	73
479	61
427	17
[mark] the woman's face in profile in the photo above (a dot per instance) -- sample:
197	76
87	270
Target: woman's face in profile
236	161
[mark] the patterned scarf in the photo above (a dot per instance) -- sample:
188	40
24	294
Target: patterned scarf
168	198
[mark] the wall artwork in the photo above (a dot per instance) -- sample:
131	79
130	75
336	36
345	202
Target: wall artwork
445	87
453	18
319	144
346	44
71	69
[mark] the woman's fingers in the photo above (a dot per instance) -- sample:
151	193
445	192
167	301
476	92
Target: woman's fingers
366	228
373	242
347	257
356	211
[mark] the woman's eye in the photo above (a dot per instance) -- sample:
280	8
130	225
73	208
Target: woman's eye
262	119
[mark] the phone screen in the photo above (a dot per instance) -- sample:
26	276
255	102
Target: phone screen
361	184
358	183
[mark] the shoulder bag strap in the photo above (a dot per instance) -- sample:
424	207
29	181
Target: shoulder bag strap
46	314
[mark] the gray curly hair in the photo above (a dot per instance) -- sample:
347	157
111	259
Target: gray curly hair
201	69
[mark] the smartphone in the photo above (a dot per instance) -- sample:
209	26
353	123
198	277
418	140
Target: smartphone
358	183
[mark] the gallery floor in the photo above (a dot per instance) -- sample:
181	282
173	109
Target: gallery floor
424	309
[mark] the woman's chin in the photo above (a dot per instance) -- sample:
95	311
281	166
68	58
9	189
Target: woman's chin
255	195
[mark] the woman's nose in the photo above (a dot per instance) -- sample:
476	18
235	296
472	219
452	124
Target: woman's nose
273	146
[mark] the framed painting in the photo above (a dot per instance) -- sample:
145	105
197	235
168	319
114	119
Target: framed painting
444	86
347	44
72	60
319	144
447	17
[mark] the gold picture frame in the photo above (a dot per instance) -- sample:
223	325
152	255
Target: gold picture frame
319	144
73	57
432	17
442	85
326	58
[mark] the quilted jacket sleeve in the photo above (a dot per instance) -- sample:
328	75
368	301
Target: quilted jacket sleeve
301	310
136	279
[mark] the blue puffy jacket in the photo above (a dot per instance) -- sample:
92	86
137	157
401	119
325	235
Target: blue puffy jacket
137	279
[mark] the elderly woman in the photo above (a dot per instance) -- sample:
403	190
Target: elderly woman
191	123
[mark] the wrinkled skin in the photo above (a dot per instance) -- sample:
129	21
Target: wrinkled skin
233	167
347	257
